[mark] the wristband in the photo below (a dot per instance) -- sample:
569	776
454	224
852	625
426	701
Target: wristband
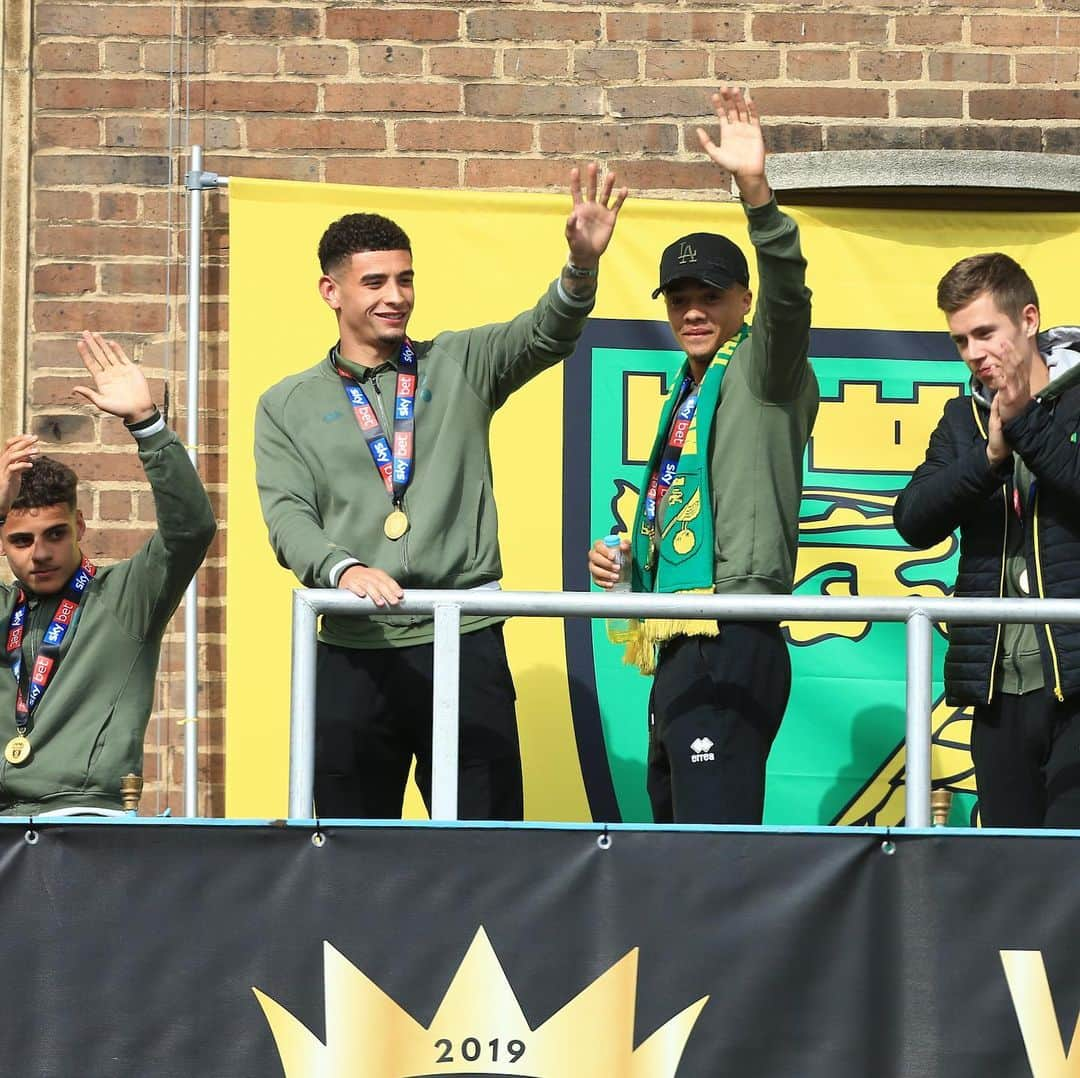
146	428
579	272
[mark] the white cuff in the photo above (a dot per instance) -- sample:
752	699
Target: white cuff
574	301
337	570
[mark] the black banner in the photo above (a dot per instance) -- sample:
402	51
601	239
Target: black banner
229	950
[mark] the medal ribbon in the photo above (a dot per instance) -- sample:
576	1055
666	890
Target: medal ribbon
32	684
394	463
682	418
664	475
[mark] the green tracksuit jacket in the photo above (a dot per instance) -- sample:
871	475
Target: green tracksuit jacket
87	732
324	502
767	409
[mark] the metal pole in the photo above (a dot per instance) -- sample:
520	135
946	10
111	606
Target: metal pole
920	644
302	724
447	607
444	712
191	596
569	604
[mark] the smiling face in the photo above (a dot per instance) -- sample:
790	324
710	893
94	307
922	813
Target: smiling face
372	294
980	330
703	317
42	546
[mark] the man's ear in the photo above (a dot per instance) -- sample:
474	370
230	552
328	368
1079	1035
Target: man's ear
1029	320
748	298
80	525
328	289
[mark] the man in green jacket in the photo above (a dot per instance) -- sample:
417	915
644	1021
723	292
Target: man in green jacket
719	506
406	500
82	641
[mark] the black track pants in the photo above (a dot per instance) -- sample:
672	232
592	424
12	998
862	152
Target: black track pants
373	715
1027	761
715	708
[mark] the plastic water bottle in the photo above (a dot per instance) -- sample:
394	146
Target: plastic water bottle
618	629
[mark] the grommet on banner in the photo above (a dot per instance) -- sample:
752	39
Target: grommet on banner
604	840
888	847
31	837
318	839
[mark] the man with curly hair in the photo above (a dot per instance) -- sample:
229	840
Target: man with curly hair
82	641
406	500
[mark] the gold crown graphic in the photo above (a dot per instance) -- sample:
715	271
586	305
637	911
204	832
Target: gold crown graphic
478	1028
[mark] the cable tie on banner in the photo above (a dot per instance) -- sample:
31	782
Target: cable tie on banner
31	837
318	839
888	847
603	840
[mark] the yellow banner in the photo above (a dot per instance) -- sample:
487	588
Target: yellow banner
482	258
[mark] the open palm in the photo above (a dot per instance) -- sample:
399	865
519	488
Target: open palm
592	221
119	385
742	147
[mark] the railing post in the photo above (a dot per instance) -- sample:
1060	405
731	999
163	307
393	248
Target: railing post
920	647
302	718
444	712
191	594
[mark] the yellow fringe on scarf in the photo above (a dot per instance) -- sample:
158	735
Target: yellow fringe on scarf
645	637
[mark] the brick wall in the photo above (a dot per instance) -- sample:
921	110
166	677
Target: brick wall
494	93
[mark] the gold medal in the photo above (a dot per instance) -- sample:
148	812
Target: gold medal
17	750
684	541
396	525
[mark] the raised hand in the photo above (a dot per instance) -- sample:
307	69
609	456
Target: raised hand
16	457
592	221
997	449
742	146
119	386
1013	383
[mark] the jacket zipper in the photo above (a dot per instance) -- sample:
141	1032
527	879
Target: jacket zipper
1001	591
1004	554
388	428
1039	584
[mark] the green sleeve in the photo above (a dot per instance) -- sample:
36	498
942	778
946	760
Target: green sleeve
287	494
154	578
500	358
780	339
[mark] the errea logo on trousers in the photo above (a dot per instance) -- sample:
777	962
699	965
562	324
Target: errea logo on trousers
701	750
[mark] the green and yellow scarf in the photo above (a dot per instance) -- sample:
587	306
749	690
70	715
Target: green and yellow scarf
680	558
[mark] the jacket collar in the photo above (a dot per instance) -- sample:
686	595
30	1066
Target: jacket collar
1060	347
358	371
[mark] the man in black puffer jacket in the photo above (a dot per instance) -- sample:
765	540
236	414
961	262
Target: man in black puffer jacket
1003	466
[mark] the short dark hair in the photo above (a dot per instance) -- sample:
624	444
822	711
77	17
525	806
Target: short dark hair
1005	280
359	232
48	482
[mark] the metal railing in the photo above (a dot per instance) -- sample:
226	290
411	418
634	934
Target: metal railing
448	606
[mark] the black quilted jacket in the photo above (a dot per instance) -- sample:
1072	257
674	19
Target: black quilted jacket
955	487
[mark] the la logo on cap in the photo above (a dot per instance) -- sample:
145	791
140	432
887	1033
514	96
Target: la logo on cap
687	253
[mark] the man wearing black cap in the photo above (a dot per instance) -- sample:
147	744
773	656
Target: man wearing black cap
719	507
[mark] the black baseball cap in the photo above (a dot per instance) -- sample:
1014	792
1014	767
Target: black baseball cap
703	256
